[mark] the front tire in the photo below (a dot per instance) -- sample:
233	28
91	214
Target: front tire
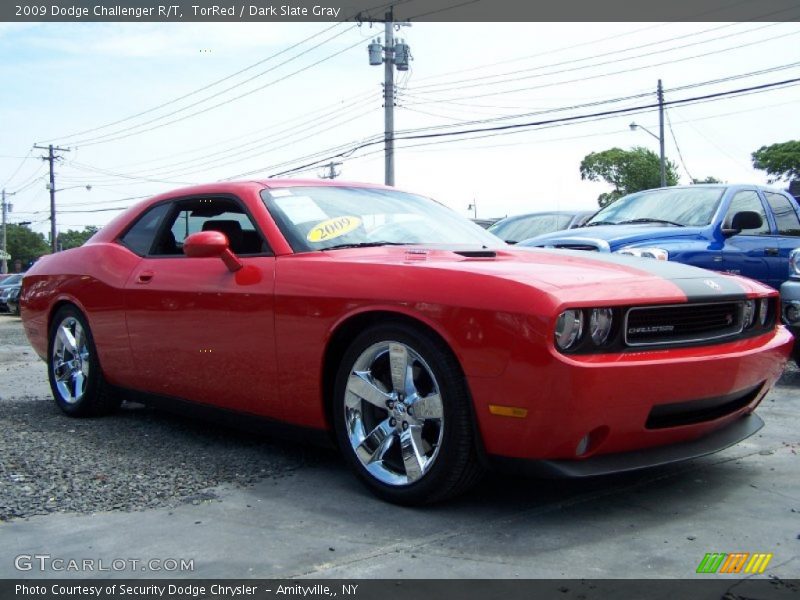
73	368
403	418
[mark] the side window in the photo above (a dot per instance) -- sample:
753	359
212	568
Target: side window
748	200
785	216
139	238
210	214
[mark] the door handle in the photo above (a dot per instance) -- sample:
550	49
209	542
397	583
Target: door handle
144	277
771	252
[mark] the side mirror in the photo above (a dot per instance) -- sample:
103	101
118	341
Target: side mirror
746	219
210	244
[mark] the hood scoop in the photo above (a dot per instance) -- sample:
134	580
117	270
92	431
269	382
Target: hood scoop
476	253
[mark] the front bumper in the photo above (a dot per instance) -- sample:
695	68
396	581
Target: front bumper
790	305
606	464
583	408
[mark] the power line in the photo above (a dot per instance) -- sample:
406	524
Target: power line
215	159
128	131
231	76
621	72
198	90
677	147
22	162
498	129
468	83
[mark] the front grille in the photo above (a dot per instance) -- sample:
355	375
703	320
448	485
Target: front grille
682	323
699	411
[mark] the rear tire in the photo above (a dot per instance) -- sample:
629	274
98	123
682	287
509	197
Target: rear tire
403	418
73	368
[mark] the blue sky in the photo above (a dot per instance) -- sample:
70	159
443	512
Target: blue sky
63	79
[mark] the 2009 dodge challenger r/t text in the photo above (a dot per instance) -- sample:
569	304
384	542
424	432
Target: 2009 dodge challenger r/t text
426	348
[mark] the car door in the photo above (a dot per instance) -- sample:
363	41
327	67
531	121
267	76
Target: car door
754	253
788	229
197	330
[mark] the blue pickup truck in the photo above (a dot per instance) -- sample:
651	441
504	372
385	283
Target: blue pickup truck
743	229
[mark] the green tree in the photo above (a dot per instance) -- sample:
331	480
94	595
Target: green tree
627	170
780	161
25	245
709	179
74	238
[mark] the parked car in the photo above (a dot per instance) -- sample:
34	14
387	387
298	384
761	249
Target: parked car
741	229
6	284
12	299
485	223
790	301
425	347
522	227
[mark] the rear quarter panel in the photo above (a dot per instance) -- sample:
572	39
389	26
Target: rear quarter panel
91	277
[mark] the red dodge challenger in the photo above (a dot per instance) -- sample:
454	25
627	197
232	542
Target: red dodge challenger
425	347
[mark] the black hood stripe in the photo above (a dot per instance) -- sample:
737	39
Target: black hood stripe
699	285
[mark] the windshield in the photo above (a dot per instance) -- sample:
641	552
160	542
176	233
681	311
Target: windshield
12	279
692	207
517	229
322	218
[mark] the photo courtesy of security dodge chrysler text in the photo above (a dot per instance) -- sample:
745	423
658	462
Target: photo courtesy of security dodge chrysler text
425	348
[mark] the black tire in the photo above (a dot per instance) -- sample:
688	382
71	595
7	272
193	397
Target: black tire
444	447
91	396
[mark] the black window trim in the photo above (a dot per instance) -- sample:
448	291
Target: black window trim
168	217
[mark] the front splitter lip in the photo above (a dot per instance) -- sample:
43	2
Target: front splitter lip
608	464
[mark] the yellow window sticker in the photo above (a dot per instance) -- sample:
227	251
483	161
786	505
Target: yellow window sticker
333	228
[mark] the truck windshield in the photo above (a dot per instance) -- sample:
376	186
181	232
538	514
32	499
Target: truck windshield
689	207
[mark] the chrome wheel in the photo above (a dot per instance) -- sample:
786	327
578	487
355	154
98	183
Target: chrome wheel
393	413
70	360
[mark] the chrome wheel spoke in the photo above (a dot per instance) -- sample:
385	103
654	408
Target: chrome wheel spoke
360	384
377	442
67	339
77	382
411	445
398	364
429	407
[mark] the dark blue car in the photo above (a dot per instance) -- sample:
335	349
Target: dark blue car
743	229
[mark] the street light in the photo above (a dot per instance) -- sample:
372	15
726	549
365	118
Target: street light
72	187
634	126
53	234
474	208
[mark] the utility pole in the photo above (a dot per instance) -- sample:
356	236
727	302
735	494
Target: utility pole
6	210
51	157
332	172
392	54
660	92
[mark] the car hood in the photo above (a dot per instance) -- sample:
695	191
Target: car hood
570	275
616	236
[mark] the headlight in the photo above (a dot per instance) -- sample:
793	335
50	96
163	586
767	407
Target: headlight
569	328
763	310
600	323
657	253
794	262
749	313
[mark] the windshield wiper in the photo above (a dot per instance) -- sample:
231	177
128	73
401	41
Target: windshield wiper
365	245
592	224
650	220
